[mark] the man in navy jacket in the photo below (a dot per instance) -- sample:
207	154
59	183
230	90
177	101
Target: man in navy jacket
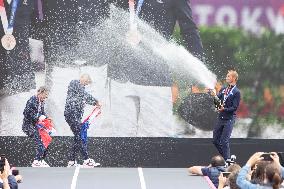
230	98
34	112
76	99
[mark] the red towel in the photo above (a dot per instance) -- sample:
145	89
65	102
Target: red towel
45	127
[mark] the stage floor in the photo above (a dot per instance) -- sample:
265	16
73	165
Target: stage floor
110	178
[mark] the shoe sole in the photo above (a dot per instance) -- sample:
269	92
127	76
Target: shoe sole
37	166
78	165
92	166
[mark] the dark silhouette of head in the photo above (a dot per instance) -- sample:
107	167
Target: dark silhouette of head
273	175
217	161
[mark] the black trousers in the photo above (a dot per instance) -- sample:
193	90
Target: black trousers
41	151
78	144
221	136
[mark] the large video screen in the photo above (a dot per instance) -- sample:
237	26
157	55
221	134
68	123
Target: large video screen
147	79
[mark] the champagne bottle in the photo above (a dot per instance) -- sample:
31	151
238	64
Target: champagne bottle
217	102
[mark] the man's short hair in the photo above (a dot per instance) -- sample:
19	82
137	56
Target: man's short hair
42	89
86	77
234	74
217	161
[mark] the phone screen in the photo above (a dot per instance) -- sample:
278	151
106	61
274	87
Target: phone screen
266	157
226	174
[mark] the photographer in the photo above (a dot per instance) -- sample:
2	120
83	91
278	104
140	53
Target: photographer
227	180
7	180
212	171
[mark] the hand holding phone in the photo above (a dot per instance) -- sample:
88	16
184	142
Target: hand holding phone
266	157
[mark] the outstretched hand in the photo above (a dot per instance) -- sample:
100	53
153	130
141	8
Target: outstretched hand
41	118
222	180
6	171
275	157
4	175
98	105
221	109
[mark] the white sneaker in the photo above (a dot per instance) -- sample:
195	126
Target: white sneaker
37	163
44	164
72	164
233	158
90	163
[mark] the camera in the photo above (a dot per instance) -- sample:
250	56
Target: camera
2	162
266	157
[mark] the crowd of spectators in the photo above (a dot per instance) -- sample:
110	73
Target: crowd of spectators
262	171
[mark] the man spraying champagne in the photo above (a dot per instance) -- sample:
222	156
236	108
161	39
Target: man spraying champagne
227	103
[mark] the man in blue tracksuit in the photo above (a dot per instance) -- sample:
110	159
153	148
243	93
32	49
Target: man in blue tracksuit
230	98
76	99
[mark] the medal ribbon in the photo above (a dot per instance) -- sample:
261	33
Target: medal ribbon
12	16
8	26
139	6
39	7
228	92
134	13
3	16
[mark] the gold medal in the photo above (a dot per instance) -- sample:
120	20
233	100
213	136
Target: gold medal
8	42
